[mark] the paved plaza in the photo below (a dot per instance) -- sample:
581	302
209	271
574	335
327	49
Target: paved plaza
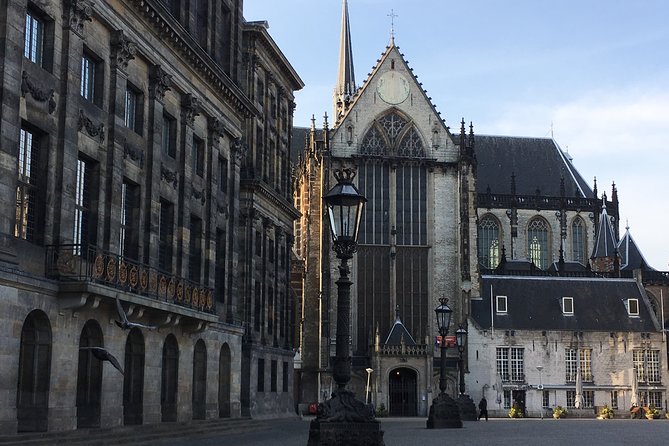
412	431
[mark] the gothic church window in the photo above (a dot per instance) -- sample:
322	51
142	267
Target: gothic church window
373	143
538	242
392	134
488	242
411	145
578	240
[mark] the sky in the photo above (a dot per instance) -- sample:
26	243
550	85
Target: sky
594	74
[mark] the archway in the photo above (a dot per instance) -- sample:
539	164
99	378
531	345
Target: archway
224	382
402	392
133	382
199	380
170	379
32	401
89	377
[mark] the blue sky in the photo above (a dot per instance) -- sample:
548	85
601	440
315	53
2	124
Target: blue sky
595	73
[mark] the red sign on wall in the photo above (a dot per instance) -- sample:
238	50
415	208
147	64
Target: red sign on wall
450	341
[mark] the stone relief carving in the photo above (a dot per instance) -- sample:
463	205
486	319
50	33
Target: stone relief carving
159	82
123	50
92	129
40	95
134	153
75	13
191	108
198	195
217	127
239	149
170	177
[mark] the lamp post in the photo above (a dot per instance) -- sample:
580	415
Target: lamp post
466	405
369	371
444	411
541	388
343	419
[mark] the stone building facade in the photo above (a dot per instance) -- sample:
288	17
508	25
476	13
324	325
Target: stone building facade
124	135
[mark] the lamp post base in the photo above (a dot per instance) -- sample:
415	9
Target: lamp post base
444	413
346	421
467	408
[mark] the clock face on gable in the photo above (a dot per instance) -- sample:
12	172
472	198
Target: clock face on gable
393	87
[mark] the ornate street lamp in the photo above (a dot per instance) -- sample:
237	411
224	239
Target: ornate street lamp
343	419
465	403
444	411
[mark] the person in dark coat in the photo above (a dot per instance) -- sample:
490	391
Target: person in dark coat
483	408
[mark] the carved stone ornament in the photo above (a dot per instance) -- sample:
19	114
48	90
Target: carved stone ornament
92	129
75	13
159	82
240	150
169	176
38	94
123	50
221	209
134	153
198	195
217	127
191	108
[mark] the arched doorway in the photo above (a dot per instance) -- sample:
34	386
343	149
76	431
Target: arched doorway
402	392
170	379
133	382
32	400
89	377
224	382
199	380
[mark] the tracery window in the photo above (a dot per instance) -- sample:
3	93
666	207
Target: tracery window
578	240
392	134
488	243
393	124
373	143
411	145
538	243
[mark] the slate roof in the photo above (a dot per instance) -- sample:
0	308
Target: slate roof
606	243
630	255
535	303
397	333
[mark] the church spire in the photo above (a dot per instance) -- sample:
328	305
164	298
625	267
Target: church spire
346	77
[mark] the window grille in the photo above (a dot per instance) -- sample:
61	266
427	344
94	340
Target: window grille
33	48
488	243
88	68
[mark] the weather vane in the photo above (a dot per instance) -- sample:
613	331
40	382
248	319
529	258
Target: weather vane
392	16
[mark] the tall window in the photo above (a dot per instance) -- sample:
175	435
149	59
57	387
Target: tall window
510	363
88	71
223	175
84	225
488	241
128	233
201	18
165	236
195	256
220	265
28	190
284	383
578	240
261	375
33	48
571	366
198	156
257	306
169	137
273	375
133	109
647	365
545	399
538	242
571	398
614	399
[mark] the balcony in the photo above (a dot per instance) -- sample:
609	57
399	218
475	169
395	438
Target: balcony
88	275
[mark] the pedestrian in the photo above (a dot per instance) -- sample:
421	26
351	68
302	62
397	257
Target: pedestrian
483	408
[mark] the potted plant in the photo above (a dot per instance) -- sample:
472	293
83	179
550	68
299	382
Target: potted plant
559	412
516	411
652	413
605	413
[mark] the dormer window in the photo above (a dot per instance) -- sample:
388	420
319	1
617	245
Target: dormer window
501	304
568	305
632	307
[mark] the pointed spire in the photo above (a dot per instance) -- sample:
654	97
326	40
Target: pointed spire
346	78
594	189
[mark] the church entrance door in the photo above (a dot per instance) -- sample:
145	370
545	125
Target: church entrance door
402	391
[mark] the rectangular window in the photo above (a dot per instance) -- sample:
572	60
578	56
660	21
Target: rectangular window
567	305
571	366
169	136
195	256
633	307
614	399
128	233
220	265
503	362
28	190
545	399
261	375
270	310
270	254
84	224
133	109
88	71
647	365
588	399
33	48
507	399
510	363
517	364
258	244
165	236
273	376
501	304
571	398
198	156
256	306
223	175
284	383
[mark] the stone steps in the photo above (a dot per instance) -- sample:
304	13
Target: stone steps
136	435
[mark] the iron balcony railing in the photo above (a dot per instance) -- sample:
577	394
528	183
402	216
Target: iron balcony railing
78	263
540	202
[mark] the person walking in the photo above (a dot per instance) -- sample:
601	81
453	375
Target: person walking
483	408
